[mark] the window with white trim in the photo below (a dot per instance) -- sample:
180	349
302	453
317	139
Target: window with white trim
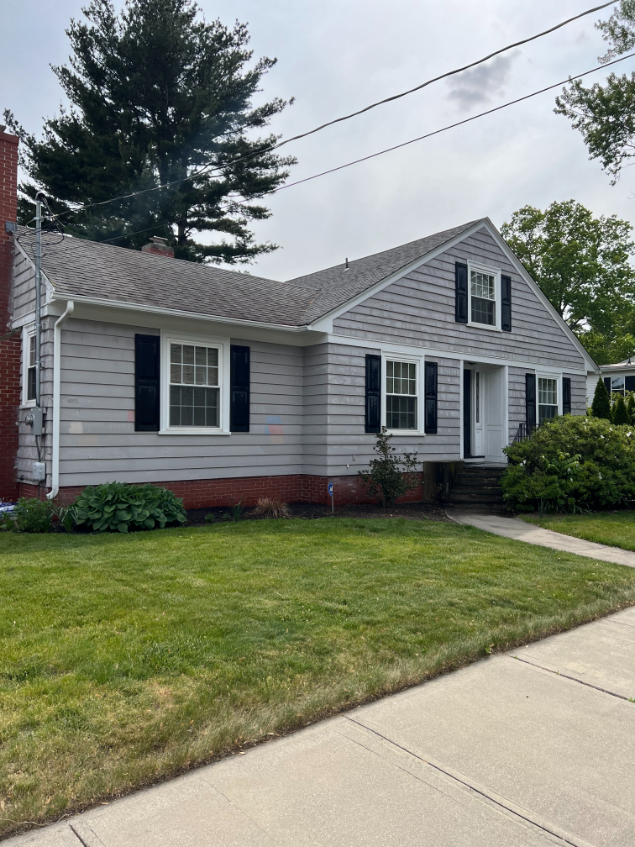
547	399
402	395
483	297
618	385
194	399
30	384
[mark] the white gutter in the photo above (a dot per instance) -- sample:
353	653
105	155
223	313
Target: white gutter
57	382
180	313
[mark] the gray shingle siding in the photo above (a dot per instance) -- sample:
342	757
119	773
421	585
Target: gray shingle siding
418	310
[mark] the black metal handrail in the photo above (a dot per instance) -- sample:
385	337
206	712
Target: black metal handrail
522	433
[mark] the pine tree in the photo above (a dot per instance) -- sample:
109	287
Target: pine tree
601	406
158	95
620	414
630	408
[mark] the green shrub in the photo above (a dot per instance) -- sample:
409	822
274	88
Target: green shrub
601	406
32	515
620	413
572	463
630	407
390	476
117	506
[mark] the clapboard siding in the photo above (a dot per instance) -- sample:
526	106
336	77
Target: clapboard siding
23	287
348	447
315	409
97	437
418	310
578	394
516	404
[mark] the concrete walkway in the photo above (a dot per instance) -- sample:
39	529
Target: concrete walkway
526	749
521	531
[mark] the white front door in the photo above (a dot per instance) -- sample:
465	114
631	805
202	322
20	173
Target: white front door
494	424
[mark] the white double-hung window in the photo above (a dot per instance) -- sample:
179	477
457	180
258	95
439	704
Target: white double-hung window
194	385
484	296
402	395
547	399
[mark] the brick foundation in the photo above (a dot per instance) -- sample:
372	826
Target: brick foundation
296	488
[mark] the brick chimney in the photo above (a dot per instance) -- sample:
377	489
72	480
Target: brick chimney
158	246
10	344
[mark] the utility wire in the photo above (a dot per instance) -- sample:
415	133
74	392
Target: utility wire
450	126
412	140
206	168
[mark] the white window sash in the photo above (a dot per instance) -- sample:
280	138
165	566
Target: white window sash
28	332
495	272
222	345
420	369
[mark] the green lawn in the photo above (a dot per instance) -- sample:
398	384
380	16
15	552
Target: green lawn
614	528
127	658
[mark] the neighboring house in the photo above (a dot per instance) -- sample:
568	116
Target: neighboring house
225	386
619	379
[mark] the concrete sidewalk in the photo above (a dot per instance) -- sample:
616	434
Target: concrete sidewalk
534	747
521	531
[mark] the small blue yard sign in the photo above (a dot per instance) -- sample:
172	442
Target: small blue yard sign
330	488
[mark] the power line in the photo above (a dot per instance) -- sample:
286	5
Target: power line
206	168
412	140
451	126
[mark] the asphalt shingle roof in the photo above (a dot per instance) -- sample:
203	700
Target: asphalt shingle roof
79	268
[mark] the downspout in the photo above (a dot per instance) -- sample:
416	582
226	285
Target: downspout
57	382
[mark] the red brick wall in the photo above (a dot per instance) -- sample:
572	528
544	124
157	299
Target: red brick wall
9	346
297	488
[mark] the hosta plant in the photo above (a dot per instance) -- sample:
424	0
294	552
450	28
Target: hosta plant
119	507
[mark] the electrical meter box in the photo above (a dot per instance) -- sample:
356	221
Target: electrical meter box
35	419
39	471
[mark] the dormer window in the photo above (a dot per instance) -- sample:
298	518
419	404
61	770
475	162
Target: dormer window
484	296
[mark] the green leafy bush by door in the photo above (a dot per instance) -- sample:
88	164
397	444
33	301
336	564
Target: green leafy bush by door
571	463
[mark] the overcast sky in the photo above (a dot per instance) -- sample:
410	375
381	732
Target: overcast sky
335	56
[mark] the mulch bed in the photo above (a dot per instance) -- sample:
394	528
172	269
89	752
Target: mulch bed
311	511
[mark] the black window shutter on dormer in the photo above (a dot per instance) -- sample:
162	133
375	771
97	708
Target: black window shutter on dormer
566	395
506	303
373	393
147	387
460	287
431	392
240	387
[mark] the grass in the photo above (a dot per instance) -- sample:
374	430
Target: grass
617	529
125	659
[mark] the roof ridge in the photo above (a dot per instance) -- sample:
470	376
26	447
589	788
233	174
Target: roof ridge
407	244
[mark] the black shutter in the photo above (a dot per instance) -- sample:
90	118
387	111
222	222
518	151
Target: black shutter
506	303
607	382
566	395
373	393
629	383
239	390
147	388
460	303
530	402
431	391
467	413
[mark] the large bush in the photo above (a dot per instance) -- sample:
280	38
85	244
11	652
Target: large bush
569	463
117	506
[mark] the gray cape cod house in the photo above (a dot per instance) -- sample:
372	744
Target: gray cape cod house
225	386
